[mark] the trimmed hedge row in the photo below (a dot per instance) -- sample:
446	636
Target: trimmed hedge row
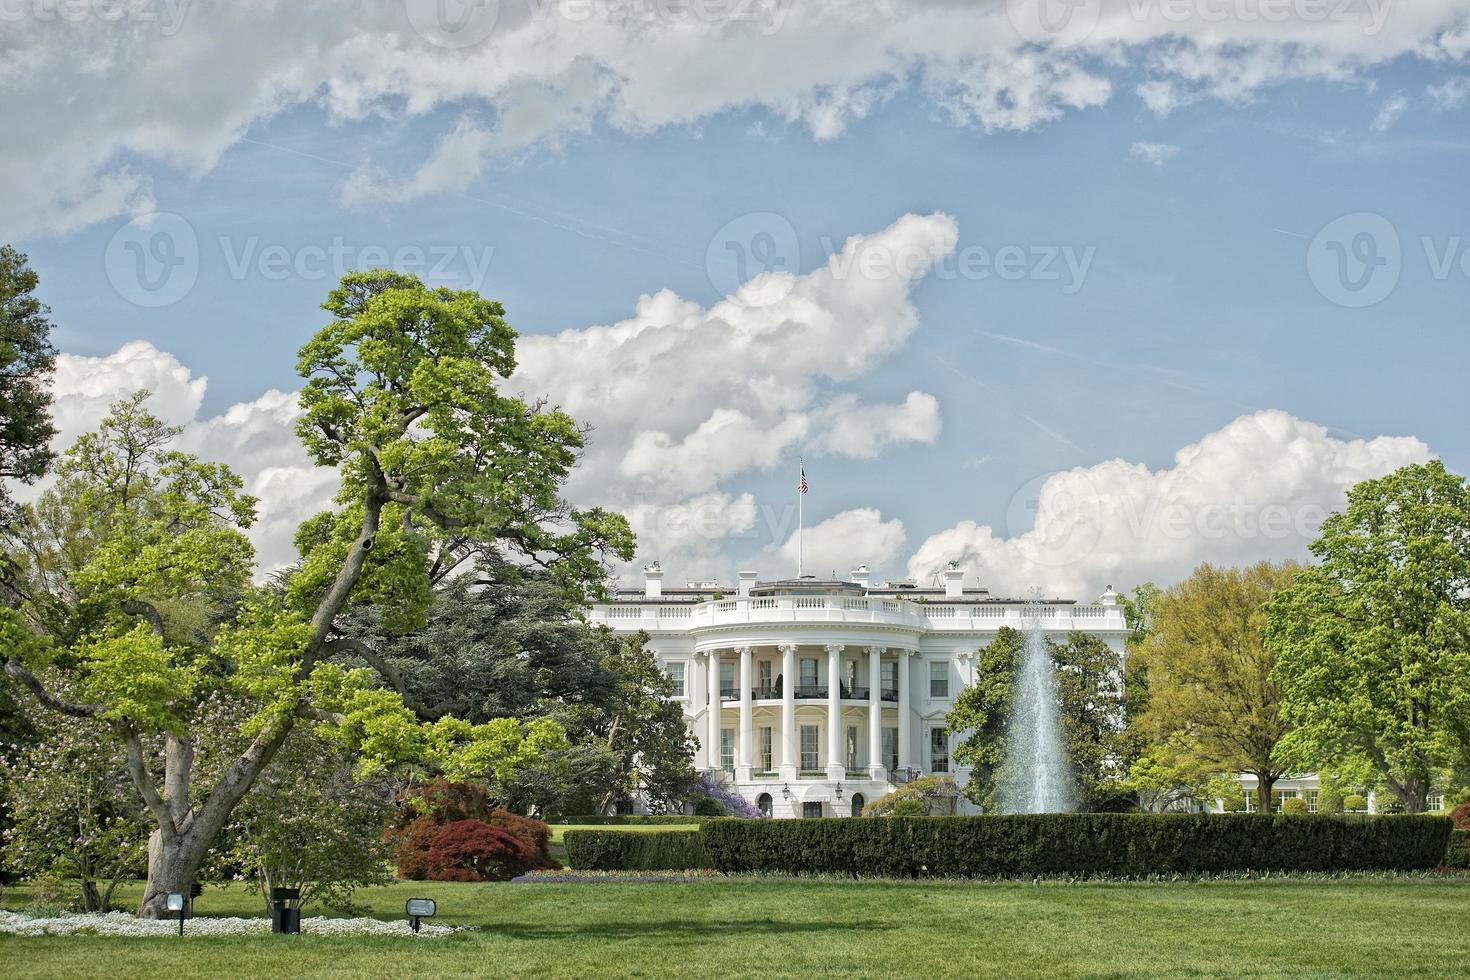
632	820
1458	853
1084	844
619	850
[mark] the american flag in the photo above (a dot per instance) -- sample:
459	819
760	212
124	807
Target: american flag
802	487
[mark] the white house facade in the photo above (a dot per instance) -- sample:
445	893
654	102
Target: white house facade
813	697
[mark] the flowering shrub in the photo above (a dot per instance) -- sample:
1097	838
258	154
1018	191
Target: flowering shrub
936	796
472	850
710	799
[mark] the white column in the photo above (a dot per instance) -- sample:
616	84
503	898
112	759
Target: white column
836	761
876	767
714	709
746	759
905	751
789	759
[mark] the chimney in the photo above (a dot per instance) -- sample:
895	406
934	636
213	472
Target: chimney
747	579
1108	598
954	581
859	575
653	585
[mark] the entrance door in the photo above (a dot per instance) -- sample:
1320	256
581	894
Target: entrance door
811	809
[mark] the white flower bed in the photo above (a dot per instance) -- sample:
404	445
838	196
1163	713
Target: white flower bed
123	924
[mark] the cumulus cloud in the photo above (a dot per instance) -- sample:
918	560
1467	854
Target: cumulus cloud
841	541
1157	154
102	99
1257	489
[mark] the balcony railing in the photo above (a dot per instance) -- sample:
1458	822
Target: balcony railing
654	615
729	694
811	691
855	693
889	694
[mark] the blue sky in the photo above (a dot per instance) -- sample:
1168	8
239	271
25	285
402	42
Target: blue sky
1197	306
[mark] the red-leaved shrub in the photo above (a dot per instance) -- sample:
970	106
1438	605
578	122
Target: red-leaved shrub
1461	816
438	803
472	850
535	834
411	844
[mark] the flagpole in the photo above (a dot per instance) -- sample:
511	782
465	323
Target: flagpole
800	524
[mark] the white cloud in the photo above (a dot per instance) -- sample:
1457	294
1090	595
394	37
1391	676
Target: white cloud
1157	154
842	541
864	431
1258	488
85	387
102	99
1389	113
1450	95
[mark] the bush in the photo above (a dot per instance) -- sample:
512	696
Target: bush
1457	855
472	850
628	820
909	807
710	799
1354	803
1461	816
529	831
937	796
1293	806
615	850
1084	844
440	803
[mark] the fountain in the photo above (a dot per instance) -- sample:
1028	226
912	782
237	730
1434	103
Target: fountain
1036	777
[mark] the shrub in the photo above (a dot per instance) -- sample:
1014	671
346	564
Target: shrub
533	833
710	799
936	796
439	803
472	850
906	808
1457	855
1294	806
1461	816
625	820
1354	803
1104	844
616	850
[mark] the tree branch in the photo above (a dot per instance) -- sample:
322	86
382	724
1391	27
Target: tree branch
141	607
31	681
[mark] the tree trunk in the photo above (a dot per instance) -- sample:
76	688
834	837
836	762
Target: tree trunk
1416	795
1265	783
173	861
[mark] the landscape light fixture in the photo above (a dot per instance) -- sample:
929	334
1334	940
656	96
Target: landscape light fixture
175	903
286	910
420	908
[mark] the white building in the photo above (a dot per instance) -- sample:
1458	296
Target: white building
812	697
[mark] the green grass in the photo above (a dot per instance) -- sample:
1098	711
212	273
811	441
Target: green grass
793	928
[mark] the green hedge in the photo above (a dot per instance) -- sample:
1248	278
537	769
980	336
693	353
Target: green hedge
1458	853
616	850
1085	844
596	820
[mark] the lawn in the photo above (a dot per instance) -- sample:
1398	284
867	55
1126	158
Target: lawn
792	928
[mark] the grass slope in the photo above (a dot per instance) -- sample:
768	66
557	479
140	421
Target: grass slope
738	928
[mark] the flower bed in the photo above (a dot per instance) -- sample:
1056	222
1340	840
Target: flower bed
123	924
617	877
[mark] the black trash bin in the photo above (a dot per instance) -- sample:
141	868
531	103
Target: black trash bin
285	910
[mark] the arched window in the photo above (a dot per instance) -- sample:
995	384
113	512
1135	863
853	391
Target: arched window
857	804
764	803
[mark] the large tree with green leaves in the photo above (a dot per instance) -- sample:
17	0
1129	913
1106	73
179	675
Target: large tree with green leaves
1090	700
1212	704
26	362
438	468
1373	643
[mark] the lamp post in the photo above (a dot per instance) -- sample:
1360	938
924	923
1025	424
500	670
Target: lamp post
175	902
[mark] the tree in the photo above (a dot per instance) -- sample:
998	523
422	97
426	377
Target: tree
26	361
1089	687
1212	705
438	469
74	813
927	796
1373	643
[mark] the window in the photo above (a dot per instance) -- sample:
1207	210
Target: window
767	762
1311	801
808	673
889	672
890	747
727	749
624	808
1250	800
939	750
857	804
676	674
938	679
1434	801
727	679
763	675
852	747
810	741
851	674
811	810
763	802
